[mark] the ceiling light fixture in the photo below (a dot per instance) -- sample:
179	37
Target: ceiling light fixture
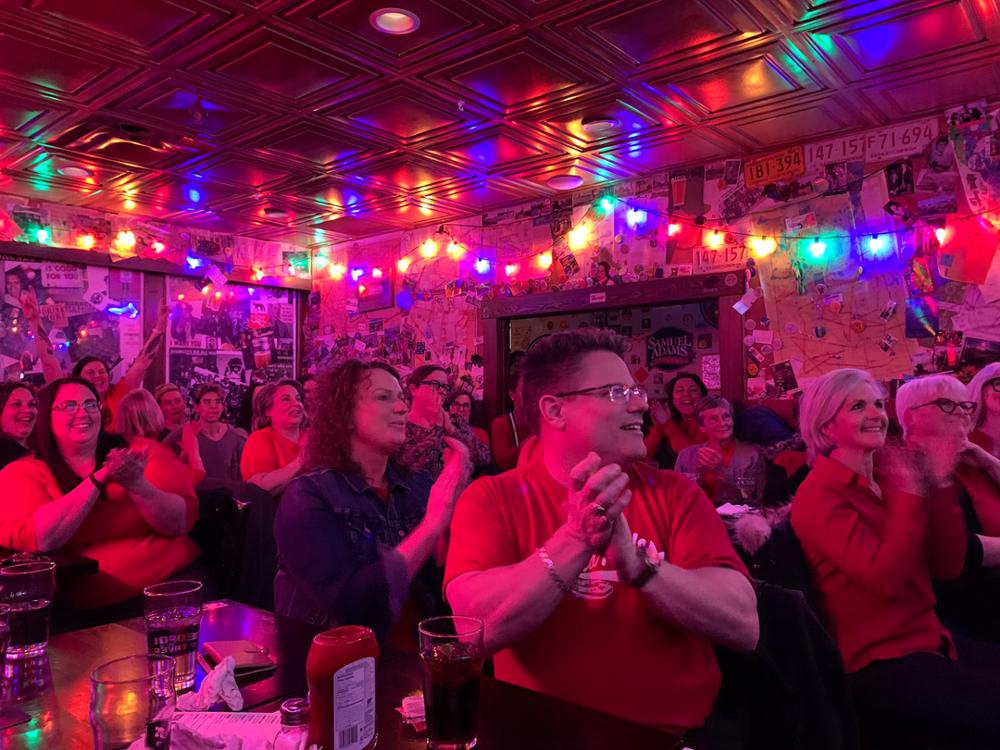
598	124
565	182
272	212
72	170
394	21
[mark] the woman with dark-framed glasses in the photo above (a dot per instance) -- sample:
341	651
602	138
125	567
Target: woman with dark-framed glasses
428	424
984	390
89	493
877	526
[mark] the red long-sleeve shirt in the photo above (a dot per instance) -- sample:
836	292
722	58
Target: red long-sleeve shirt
872	560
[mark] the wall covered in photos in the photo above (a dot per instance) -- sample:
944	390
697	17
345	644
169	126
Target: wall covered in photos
85	311
232	334
874	250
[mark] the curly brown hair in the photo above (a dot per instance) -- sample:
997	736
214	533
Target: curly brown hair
328	445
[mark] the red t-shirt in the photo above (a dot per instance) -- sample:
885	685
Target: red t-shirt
604	646
129	553
872	560
267	450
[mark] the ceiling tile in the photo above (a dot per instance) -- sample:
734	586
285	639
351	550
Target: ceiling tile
142	23
186	109
742	83
639	34
279	64
916	36
405	115
46	68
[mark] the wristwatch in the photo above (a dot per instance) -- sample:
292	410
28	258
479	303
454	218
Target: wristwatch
649	567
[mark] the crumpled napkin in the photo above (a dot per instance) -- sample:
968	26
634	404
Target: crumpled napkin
414	712
218	686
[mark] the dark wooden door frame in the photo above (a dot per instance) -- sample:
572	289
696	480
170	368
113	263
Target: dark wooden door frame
726	287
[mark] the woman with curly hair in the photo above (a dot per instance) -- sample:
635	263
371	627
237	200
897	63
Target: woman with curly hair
355	533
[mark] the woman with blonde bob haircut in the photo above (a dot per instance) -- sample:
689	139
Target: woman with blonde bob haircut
875	530
139	415
984	391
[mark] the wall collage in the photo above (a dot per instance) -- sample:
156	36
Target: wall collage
875	250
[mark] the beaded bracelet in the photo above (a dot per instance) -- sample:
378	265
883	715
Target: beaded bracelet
550	567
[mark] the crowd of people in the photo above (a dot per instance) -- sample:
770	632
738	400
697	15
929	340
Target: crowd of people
601	577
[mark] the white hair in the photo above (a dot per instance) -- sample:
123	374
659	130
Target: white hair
923	390
975	390
821	402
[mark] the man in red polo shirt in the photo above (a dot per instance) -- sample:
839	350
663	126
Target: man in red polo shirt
601	581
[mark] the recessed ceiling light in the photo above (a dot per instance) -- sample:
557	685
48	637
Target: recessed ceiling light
271	212
394	21
565	182
72	170
598	124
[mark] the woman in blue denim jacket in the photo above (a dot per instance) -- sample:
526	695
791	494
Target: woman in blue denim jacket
357	536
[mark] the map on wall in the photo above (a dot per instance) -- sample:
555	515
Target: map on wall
85	311
233	335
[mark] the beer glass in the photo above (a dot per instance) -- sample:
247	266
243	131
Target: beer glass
173	617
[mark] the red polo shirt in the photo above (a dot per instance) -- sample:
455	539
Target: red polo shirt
872	560
604	646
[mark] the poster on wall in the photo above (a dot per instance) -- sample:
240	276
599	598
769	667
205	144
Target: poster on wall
232	335
85	311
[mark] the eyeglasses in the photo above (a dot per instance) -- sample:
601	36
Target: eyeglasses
211	401
437	385
461	406
948	406
617	393
72	407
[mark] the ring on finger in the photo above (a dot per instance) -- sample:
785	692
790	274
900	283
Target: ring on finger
600	510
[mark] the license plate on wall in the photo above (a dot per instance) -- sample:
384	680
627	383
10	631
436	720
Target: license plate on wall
780	165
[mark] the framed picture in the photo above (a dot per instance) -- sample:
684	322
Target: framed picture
375	293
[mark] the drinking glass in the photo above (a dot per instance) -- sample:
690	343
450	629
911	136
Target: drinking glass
748	489
451	656
132	698
28	589
173	617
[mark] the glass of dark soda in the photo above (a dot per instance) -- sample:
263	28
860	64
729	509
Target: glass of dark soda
28	589
173	619
451	656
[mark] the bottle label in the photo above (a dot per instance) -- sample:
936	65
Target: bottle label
354	705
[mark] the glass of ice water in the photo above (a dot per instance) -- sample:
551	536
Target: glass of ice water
28	589
173	617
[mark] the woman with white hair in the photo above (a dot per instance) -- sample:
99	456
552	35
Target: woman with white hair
984	391
874	533
936	419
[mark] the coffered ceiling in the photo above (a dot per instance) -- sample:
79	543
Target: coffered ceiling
278	118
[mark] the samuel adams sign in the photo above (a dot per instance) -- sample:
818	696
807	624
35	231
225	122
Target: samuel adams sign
669	348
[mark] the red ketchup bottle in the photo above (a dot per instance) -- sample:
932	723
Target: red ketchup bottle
341	674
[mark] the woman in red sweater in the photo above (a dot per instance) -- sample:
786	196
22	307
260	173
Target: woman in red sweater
875	530
87	492
678	426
